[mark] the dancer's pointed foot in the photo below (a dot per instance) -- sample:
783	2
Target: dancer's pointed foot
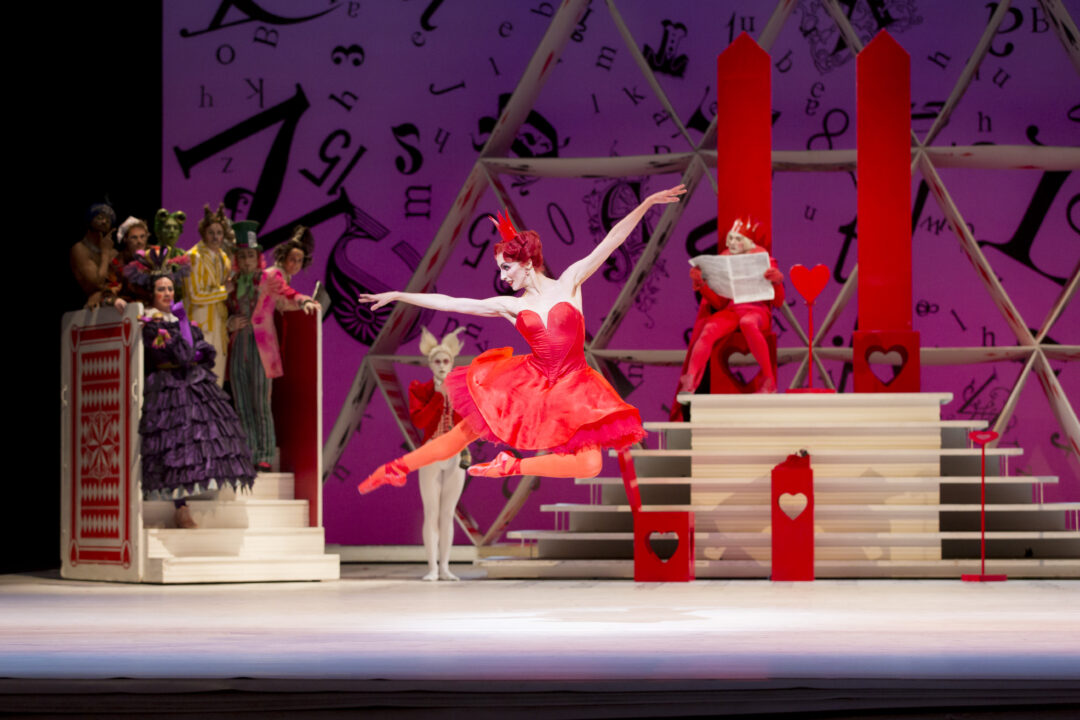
395	473
445	574
768	386
504	464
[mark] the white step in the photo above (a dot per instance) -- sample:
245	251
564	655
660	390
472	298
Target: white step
809	407
239	513
737	425
242	569
828	483
624	569
821	539
819	510
273	486
235	542
829	455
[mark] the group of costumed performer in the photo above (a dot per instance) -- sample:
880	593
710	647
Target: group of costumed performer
98	265
192	441
719	317
441	482
547	400
255	292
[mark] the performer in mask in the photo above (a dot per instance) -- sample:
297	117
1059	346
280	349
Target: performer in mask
441	482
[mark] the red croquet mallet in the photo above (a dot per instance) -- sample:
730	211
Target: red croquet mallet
980	438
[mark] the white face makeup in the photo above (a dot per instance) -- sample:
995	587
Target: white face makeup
214	236
163	294
441	364
738	244
512	272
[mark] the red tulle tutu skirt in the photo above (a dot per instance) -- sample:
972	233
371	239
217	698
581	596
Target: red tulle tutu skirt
509	399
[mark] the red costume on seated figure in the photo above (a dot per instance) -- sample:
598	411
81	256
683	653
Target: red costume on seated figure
718	317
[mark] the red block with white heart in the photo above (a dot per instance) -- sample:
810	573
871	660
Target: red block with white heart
793	520
886	361
655	559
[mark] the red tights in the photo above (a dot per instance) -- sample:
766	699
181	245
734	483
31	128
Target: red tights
751	321
582	464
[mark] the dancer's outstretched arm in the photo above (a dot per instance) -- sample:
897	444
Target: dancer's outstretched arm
500	306
580	271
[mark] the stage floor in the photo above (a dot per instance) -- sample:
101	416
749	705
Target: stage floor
381	623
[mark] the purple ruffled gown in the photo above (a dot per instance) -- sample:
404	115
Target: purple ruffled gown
192	440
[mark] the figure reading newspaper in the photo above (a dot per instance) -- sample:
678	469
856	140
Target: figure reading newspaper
738	289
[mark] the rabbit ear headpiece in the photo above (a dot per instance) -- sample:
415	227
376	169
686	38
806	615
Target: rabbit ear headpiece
451	344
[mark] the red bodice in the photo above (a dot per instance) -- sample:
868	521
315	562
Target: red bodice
549	399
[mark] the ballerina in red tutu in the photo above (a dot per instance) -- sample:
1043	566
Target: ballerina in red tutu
547	400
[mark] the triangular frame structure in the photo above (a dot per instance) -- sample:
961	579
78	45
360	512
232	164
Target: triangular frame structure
377	369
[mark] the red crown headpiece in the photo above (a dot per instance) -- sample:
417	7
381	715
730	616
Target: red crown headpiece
502	222
747	227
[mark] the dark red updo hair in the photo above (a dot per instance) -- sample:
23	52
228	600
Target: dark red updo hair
525	245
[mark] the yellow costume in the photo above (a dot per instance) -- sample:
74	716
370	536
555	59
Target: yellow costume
204	298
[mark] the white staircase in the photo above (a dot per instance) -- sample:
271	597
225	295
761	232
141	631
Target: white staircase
896	493
257	537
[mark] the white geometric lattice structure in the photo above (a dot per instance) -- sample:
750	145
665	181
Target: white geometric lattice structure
494	162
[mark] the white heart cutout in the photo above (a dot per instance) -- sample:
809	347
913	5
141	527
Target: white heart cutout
793	505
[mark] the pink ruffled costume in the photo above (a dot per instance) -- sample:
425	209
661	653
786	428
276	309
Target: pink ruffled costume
547	400
273	289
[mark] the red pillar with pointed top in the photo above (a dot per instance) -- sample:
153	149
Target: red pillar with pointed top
883	132
744	135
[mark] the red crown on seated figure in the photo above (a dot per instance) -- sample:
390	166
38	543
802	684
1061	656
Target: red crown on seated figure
502	222
748	227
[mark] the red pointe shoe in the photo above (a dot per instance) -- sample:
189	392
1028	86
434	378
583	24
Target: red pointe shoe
504	464
395	473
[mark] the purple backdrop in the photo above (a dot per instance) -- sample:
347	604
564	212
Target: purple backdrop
364	119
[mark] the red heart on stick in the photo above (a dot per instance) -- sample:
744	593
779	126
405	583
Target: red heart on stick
981	437
810	282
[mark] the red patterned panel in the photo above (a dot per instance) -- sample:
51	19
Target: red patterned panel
100	502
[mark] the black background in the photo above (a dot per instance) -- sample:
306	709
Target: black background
86	104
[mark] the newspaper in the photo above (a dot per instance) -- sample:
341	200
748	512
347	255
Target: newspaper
739	277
